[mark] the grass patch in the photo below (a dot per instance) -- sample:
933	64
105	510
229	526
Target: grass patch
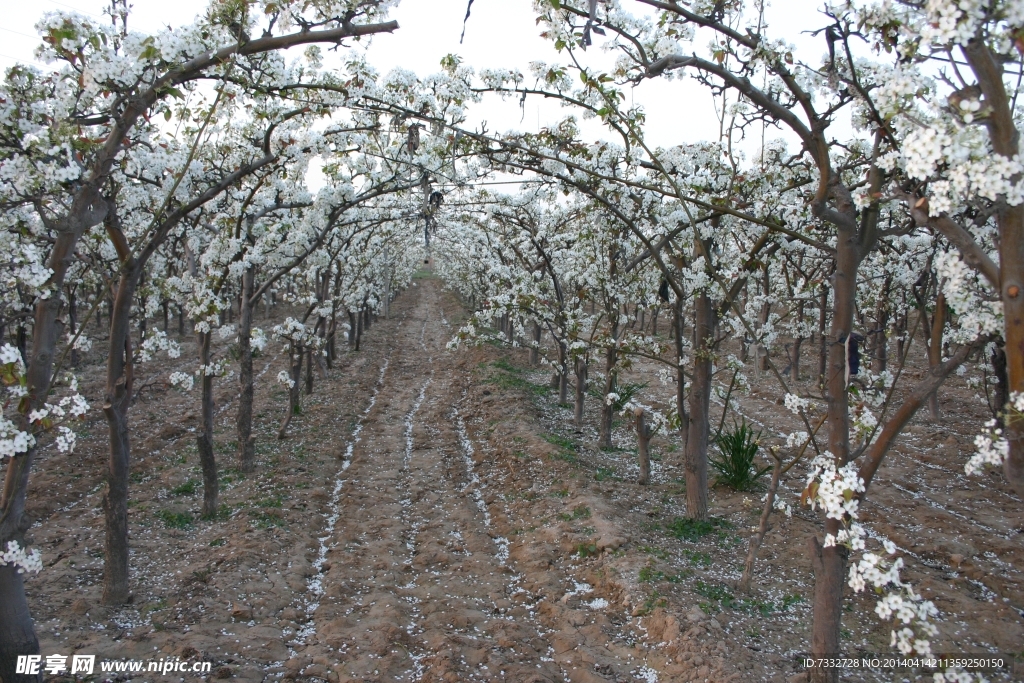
578	512
509	376
657	552
606	474
217	542
720	596
716	593
585	550
567	449
189	488
702	559
560	441
687	529
650	575
224	512
175	520
265	519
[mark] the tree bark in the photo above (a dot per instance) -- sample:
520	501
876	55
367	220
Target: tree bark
794	361
581	392
295	356
935	350
822	336
204	440
677	331
17	635
700	405
1000	395
610	379
73	323
309	371
1005	139
115	500
535	349
246	441
563	375
830	563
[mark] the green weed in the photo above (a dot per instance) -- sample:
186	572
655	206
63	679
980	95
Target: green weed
189	488
585	550
578	512
687	529
175	520
738	447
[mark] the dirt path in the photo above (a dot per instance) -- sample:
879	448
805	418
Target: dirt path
415	578
415	588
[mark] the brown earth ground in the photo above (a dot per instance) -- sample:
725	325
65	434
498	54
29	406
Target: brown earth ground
433	516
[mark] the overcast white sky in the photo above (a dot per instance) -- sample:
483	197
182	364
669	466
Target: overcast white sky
500	33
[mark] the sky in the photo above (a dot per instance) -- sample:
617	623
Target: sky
499	34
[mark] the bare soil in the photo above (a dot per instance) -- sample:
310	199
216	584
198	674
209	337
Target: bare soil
433	516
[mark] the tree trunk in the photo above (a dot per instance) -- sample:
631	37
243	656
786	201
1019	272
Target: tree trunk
1005	136
563	375
1000	395
120	376
17	635
643	443
295	356
935	350
677	331
73	323
535	349
822	336
581	392
204	440
610	379
829	564
700	405
142	312
22	342
794	361
309	371
246	441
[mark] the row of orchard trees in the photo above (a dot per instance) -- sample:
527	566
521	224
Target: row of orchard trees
911	225
147	176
